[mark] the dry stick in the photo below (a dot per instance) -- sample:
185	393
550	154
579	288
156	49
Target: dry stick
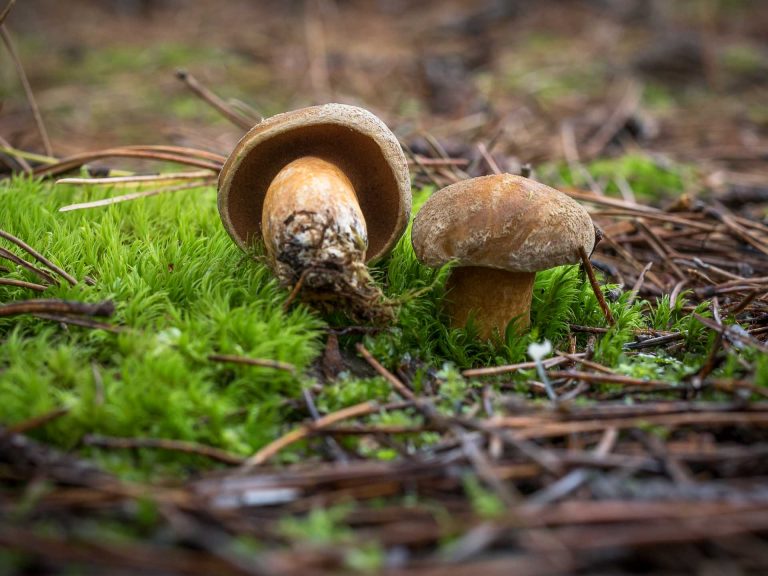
18	159
262	362
317	52
748	299
425	161
583	361
588	329
638	284
416	160
39	257
8	255
613	124
78	160
6	37
164	444
128	197
571	153
333	447
729	333
83	322
234	116
362	409
179	150
36	421
6	11
105	308
20	155
577	194
608	378
401	388
551	429
293	294
456	172
626	255
488	158
659	340
737	230
253	115
197	175
23	284
673	296
656	244
494	370
595	287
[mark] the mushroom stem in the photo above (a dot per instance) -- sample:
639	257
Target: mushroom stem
315	234
492	297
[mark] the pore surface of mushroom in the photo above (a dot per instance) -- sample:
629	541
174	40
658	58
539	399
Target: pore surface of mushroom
327	189
499	230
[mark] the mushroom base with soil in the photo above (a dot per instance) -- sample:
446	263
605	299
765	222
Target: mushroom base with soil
316	239
491	297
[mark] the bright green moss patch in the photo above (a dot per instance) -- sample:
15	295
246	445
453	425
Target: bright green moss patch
183	291
647	177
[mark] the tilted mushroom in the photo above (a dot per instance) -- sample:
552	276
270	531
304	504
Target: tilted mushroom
499	230
327	188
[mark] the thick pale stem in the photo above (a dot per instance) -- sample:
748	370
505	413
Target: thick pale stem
315	235
492	297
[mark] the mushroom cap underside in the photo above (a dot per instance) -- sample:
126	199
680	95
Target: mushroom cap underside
502	221
352	138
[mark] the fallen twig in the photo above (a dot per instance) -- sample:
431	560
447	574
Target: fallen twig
262	362
164	444
105	308
39	257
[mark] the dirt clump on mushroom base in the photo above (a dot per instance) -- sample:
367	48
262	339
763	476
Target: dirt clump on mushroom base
327	263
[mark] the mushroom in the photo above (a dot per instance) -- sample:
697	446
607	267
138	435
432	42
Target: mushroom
327	189
499	230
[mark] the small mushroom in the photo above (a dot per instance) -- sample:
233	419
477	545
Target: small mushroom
327	189
499	230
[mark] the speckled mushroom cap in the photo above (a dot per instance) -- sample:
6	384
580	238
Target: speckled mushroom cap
351	138
502	221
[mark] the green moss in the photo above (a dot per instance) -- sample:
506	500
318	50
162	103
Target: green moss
183	291
650	178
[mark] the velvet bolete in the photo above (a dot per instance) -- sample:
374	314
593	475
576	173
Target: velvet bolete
327	189
499	230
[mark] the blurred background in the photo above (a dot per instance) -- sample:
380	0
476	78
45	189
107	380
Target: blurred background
507	82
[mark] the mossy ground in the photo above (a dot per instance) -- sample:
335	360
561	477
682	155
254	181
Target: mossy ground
183	291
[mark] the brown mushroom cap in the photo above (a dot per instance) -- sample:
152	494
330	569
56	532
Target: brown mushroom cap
353	139
502	221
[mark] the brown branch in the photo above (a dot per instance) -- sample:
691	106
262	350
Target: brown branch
105	308
18	159
596	287
8	255
131	196
235	116
264	363
494	370
6	38
6	11
39	257
164	444
362	409
83	322
401	388
23	284
36	421
165	153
